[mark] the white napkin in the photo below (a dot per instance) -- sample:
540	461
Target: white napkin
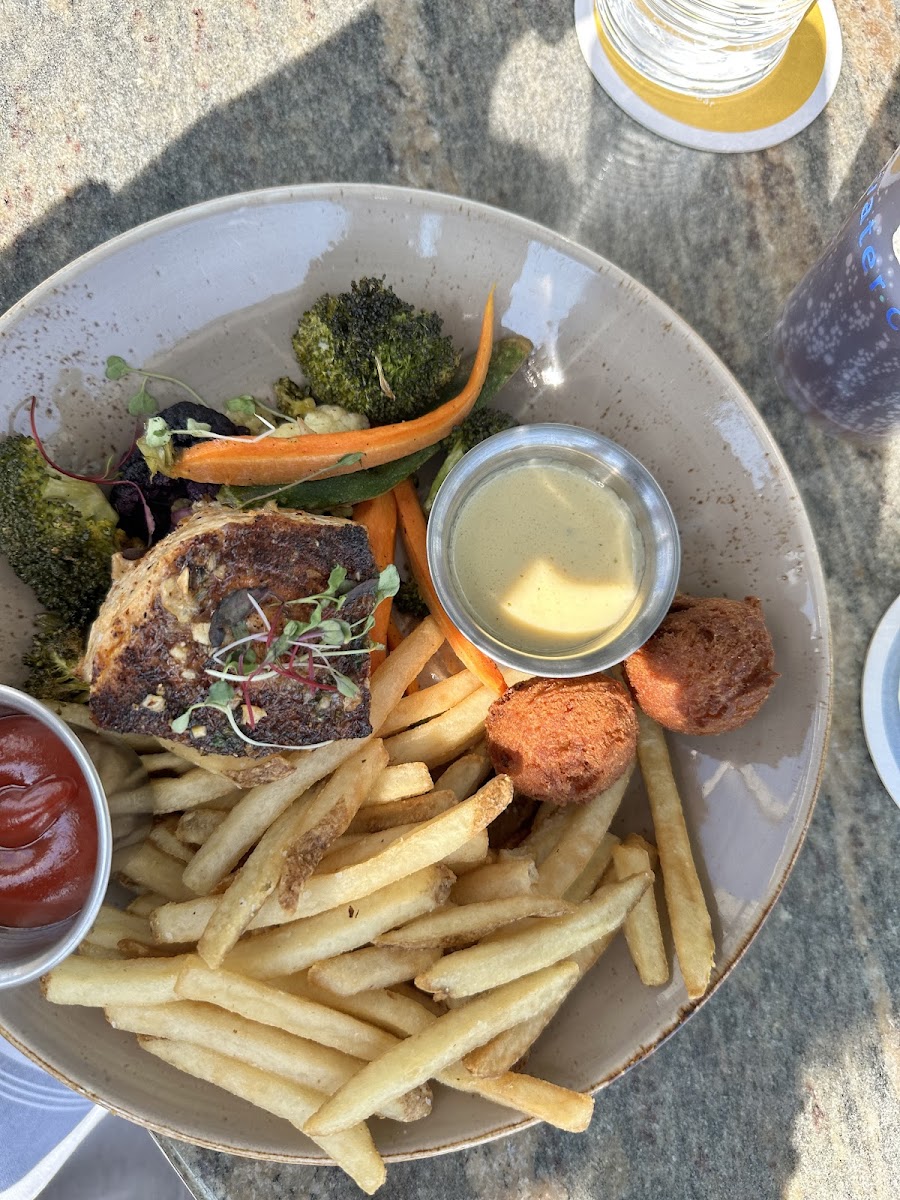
42	1125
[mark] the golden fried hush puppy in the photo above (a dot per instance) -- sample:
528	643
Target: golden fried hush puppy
562	740
708	667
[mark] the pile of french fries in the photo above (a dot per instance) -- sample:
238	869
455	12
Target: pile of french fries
326	944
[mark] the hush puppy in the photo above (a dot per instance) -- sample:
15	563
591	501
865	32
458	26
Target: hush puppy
708	668
562	740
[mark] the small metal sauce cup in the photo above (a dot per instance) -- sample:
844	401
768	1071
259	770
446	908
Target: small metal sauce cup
26	954
608	464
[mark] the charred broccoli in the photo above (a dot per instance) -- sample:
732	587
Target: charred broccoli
372	353
409	599
53	662
481	423
58	533
291	399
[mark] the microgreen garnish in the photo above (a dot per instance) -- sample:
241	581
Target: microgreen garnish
142	404
118	368
301	647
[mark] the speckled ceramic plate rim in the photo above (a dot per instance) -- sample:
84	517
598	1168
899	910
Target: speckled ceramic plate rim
820	723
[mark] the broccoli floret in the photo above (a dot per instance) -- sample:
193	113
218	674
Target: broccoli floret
409	599
53	662
292	399
58	533
480	424
372	353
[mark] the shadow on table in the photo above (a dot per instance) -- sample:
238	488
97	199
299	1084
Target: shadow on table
694	1121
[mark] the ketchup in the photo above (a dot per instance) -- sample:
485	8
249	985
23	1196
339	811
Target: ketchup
48	828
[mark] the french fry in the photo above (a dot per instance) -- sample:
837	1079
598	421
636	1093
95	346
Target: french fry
425	844
580	838
421	1056
168	794
356	848
164	762
151	868
92	950
370	967
558	1106
407	1015
352	1150
260	1046
496	881
688	915
347	927
98	983
143	906
398	783
294	1014
467	773
162	836
334	814
290	849
410	811
111	926
642	930
443	738
523	951
546	831
429	702
598	866
388	1008
418	893
501	1053
470	854
452	927
635	839
252	816
196	825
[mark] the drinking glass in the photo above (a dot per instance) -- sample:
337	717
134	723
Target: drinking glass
704	48
836	345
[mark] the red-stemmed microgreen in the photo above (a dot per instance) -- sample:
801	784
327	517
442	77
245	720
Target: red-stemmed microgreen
108	478
283	643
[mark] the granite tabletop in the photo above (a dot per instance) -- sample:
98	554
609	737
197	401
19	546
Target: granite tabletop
787	1083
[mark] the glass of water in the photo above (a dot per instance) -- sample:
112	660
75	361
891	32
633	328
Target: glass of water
702	48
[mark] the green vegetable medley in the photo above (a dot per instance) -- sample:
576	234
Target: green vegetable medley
367	358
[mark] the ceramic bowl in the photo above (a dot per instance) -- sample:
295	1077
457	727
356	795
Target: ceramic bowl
211	295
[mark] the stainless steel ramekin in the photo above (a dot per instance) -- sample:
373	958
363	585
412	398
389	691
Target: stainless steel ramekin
610	465
26	954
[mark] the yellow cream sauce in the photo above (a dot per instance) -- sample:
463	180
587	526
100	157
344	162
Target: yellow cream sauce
547	557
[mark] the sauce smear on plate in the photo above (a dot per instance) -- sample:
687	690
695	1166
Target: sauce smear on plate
48	830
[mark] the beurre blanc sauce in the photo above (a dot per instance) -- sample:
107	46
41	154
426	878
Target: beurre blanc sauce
546	556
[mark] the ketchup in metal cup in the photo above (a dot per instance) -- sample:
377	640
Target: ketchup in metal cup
48	828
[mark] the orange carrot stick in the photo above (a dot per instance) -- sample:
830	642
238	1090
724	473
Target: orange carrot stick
379	516
412	530
245	461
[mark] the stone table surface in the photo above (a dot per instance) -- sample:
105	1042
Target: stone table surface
787	1083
